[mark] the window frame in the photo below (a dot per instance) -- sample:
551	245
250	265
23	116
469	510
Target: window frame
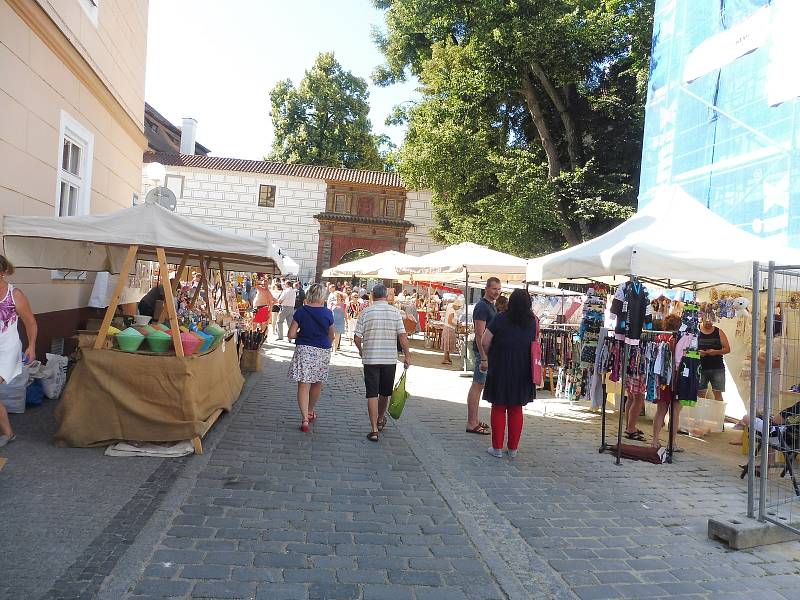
345	207
70	129
395	213
182	180
267	203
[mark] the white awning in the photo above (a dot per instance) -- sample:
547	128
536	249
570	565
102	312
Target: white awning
673	238
100	242
454	263
379	266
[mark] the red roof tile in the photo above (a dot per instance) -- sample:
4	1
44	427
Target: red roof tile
379	178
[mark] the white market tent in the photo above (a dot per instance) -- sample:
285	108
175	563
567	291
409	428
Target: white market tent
674	241
380	266
112	242
101	242
462	262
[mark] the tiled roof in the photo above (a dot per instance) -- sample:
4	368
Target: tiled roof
380	178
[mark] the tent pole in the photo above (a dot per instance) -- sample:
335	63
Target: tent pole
175	285
224	287
112	306
466	318
170	304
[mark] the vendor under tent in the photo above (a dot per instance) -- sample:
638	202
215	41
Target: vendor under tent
674	241
380	266
465	262
117	396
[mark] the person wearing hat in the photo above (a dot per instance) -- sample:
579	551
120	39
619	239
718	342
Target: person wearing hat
449	330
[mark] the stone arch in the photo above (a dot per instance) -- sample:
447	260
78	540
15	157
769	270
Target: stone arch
354	254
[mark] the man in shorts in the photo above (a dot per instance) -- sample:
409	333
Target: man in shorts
482	315
377	332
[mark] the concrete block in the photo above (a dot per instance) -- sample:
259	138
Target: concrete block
742	532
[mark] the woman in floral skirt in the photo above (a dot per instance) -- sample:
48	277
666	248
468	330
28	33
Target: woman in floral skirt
312	328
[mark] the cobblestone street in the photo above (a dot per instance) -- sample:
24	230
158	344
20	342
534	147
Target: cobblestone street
270	512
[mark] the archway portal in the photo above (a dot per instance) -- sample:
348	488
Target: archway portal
356	254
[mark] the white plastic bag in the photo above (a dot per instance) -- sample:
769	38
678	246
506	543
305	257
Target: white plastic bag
12	394
56	378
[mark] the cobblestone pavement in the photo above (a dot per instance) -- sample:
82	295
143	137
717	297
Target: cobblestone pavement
426	513
269	512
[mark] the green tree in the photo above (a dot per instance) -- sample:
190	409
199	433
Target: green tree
529	130
325	120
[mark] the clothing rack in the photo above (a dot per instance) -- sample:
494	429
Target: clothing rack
646	334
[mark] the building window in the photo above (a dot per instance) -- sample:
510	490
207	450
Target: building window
175	184
74	181
91	8
365	207
74	175
390	208
266	196
340	203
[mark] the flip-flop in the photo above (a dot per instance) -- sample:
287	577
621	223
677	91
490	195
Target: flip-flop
635	435
481	429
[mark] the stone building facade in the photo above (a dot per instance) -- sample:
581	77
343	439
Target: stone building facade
316	215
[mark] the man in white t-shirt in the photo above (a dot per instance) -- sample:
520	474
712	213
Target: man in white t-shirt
286	301
378	330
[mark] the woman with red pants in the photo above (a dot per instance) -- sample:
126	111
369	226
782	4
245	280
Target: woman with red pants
509	382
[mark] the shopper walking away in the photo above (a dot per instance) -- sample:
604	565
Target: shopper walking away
482	315
286	302
13	307
301	295
313	331
378	330
509	381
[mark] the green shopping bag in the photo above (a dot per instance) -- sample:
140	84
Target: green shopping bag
399	397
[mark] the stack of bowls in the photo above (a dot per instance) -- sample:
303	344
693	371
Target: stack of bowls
129	340
215	331
207	340
159	341
190	342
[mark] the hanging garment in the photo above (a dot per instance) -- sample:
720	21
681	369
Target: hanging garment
10	344
633	311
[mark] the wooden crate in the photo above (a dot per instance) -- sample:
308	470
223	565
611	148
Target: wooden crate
250	361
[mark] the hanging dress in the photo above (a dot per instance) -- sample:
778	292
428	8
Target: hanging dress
10	344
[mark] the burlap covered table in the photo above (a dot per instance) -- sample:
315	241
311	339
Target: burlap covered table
113	396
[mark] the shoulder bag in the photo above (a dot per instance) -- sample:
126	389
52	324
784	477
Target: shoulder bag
537	372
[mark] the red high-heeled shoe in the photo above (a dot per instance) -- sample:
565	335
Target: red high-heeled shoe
304	426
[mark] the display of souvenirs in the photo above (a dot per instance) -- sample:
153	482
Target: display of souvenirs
592	322
631	306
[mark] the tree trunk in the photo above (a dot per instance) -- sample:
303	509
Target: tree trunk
574	145
553	160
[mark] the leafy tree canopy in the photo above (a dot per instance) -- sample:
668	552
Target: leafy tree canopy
529	130
325	120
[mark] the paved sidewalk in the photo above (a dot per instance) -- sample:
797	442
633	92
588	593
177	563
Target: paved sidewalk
426	513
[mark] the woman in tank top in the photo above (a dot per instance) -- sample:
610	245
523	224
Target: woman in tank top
713	345
13	306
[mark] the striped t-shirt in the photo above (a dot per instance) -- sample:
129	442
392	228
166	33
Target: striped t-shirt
378	326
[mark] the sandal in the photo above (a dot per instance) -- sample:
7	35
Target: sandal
481	429
381	424
312	416
304	426
635	435
372	436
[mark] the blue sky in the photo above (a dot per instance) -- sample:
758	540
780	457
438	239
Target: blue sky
217	60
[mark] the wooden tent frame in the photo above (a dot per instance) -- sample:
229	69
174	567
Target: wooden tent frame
170	291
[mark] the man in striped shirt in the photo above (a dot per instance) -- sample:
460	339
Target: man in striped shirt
378	330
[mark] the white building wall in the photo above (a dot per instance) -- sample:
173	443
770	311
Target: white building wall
419	210
229	201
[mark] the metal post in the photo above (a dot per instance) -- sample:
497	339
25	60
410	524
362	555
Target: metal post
466	318
751	454
762	487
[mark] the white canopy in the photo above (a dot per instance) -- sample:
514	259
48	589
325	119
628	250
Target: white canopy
453	264
673	238
100	242
380	266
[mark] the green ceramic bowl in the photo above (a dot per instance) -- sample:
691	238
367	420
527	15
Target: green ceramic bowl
159	341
